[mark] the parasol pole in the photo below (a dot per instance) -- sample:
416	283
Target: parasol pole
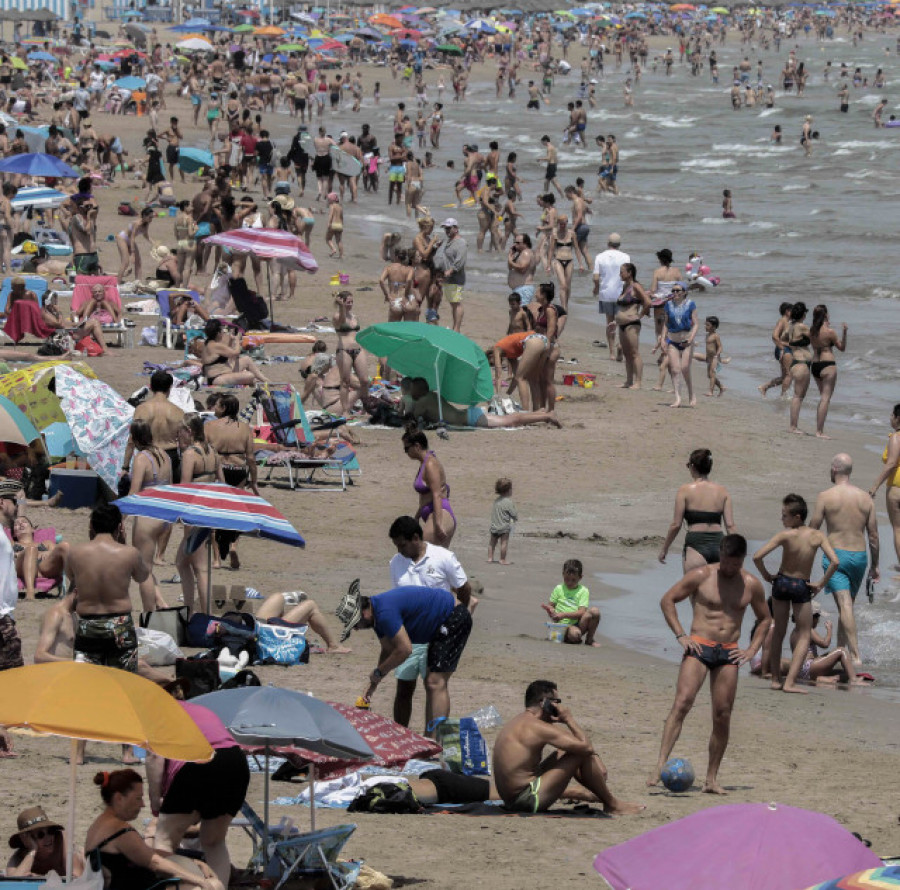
269	280
437	383
70	842
312	797
209	551
266	817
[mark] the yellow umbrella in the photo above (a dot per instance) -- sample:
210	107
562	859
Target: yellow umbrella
86	701
28	390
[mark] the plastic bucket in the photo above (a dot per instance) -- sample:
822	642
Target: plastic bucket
335	280
344	278
556	633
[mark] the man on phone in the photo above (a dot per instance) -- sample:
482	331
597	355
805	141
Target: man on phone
529	784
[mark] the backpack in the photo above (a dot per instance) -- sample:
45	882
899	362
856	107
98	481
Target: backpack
386	797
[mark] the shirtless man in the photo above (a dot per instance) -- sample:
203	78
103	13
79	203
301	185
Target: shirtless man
165	420
550	159
521	262
849	517
529	784
397	168
322	165
580	226
348	147
719	595
82	230
791	586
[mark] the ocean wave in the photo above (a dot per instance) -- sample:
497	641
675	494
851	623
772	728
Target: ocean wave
768	112
763	224
884	293
714	221
754	254
707	164
859	143
797	187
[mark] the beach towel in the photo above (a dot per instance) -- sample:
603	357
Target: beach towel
25	318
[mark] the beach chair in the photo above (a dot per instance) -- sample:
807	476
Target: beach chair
81	295
43	585
167	331
282	411
32	282
293	855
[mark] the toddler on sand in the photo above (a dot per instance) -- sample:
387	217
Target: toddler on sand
503	515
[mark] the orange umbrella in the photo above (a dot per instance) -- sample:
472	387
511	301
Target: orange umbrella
85	701
268	31
388	21
682	7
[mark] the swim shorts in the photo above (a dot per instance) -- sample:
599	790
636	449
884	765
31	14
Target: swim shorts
526	292
851	572
712	654
452	293
582	230
533	103
528	799
551	172
86	263
213	789
397	173
608	308
416	665
791	590
446	647
107	640
474	414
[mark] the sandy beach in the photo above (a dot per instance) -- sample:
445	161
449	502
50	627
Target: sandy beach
600	490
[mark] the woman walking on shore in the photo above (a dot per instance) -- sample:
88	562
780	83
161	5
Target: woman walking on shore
782	353
702	507
679	330
435	512
801	358
824	341
633	304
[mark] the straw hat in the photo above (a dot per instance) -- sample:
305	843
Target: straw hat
349	611
285	202
9	488
30	820
160	253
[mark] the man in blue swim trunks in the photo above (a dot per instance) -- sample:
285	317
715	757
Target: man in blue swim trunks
849	516
529	784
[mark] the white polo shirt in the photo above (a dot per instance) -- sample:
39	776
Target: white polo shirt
439	567
9	584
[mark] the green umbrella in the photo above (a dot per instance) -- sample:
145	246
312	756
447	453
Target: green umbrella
290	48
451	48
455	367
243	29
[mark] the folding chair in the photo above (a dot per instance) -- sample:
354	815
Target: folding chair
165	329
283	412
81	296
32	282
292	855
43	585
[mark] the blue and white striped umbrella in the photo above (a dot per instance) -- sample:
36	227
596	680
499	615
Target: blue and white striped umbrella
40	197
212	505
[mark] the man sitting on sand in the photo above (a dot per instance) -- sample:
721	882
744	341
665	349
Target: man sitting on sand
425	407
719	594
529	784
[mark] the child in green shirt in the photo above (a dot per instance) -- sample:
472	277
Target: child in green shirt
570	604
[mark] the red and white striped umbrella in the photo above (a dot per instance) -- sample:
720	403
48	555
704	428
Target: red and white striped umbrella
268	244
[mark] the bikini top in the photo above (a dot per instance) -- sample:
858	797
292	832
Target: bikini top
679	317
800	342
204	474
122	871
695	517
628	298
346	328
420	485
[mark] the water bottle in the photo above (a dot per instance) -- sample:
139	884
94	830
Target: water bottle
486	718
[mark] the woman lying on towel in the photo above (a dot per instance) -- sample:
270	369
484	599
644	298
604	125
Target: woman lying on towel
35	560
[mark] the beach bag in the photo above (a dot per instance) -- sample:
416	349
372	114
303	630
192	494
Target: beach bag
157	648
464	747
386	797
201	671
172	621
88	346
281	643
127	209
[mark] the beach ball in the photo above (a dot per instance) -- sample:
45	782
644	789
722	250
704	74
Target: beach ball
677	775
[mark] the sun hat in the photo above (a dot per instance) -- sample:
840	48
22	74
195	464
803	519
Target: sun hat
30	820
285	202
160	253
349	610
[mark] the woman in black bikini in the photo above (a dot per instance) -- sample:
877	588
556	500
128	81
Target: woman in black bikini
633	304
35	560
797	336
200	462
824	341
349	356
563	252
546	322
150	466
221	358
114	844
702	506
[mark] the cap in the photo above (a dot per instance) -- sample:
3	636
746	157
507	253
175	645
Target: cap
349	610
449	222
29	820
615	238
344	135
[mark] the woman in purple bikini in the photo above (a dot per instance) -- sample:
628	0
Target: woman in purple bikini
435	512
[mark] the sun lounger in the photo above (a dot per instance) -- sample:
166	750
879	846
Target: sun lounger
32	282
293	855
167	330
81	296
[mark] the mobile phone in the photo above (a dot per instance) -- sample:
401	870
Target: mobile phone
549	709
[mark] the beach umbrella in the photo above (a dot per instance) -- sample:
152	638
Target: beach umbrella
481	26
268	31
137	32
195	44
388	21
290	48
15	427
29	390
41	57
455	367
59	442
196	23
131	83
450	48
720	10
100	420
97	704
38	164
39	197
406	34
871	879
392	745
190	160
267	715
721	847
212	506
242	29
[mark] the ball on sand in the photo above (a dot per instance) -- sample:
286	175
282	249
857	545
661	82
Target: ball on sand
677	775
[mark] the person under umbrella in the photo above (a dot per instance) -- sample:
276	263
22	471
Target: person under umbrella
39	847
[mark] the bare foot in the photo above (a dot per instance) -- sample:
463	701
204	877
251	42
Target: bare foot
624	808
776	685
490	560
708	394
797	432
712	787
554	420
506	562
593	643
795	689
721	390
656	389
676	403
762	390
692	403
338	650
56	500
234	560
822	436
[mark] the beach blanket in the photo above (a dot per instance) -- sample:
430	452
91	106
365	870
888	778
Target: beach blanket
25	318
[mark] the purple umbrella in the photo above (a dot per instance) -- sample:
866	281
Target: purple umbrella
751	846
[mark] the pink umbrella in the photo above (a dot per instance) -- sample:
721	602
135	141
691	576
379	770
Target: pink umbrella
268	244
751	846
392	743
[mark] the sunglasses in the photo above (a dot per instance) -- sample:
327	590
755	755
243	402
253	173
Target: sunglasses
677	290
40	833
